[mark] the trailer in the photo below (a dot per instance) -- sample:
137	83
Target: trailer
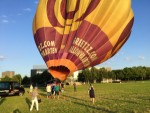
8	88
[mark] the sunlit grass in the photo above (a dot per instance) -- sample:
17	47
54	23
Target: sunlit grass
133	97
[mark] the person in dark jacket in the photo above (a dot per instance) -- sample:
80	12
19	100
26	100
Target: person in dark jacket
91	94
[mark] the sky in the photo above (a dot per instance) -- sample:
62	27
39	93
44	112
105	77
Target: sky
19	53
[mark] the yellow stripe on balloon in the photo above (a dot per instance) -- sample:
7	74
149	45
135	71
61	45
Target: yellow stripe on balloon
41	16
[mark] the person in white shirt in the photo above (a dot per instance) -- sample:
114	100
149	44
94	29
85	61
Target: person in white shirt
31	89
48	90
34	99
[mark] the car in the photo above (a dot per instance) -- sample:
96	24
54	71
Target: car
11	88
116	81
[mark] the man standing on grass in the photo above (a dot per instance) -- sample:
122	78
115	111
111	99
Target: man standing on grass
56	90
75	88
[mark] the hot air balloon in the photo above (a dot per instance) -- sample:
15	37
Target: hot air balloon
72	35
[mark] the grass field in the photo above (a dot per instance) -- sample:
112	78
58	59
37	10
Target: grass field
132	97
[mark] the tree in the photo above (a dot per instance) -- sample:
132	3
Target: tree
19	78
103	73
111	74
148	73
94	73
81	77
135	73
6	78
45	77
127	73
86	73
141	72
26	80
14	78
41	78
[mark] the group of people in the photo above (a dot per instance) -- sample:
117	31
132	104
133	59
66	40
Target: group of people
53	90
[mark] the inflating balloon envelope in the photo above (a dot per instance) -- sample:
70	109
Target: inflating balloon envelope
75	34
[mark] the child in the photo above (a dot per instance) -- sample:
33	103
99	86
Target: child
48	90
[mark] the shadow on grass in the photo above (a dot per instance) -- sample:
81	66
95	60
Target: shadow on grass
93	107
128	101
2	100
143	98
42	94
74	98
85	105
28	102
43	89
16	111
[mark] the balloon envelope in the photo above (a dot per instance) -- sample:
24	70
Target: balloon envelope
75	34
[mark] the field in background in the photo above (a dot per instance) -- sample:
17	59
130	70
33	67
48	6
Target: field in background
132	97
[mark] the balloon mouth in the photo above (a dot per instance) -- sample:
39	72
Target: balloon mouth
62	69
60	72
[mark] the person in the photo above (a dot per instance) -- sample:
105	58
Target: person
35	99
62	87
11	88
31	89
75	88
56	90
91	94
52	89
48	90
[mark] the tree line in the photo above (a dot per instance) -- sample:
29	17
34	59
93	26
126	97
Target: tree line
129	73
16	78
89	75
40	79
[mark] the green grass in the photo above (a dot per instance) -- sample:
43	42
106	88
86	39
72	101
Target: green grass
132	97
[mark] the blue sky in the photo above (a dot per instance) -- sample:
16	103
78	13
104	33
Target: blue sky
18	51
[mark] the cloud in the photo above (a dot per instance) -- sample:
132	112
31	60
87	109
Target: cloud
2	58
5	21
27	9
127	59
141	57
